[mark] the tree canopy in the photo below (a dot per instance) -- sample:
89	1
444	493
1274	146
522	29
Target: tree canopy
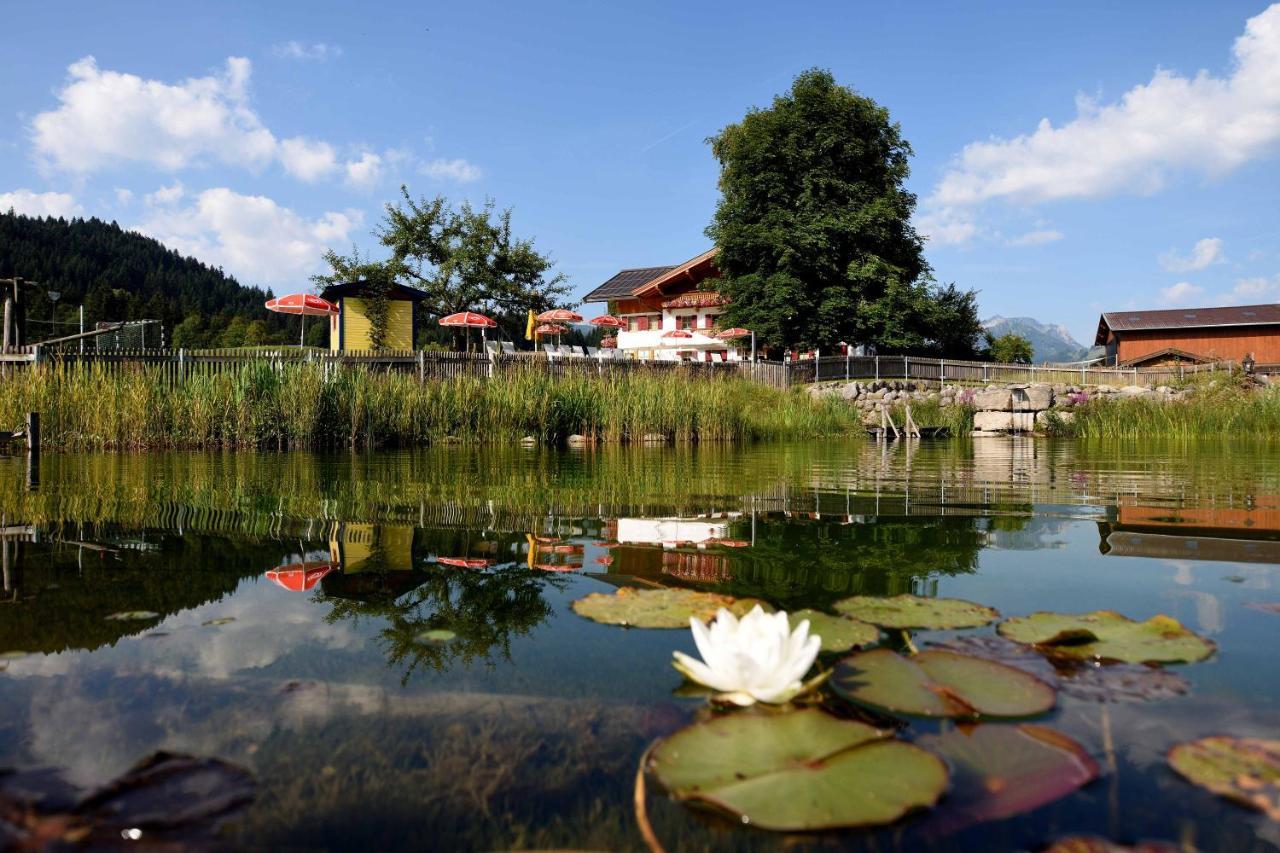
1010	349
815	234
463	259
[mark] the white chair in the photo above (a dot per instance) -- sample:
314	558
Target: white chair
577	352
492	347
564	352
593	352
550	350
508	348
733	355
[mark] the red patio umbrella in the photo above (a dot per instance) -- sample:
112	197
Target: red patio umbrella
609	342
559	315
608	321
470	320
551	329
304	304
299	577
678	333
736	332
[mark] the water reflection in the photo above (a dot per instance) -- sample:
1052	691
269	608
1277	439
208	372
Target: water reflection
292	593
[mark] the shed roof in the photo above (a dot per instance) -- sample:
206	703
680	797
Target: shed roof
359	288
1187	318
624	283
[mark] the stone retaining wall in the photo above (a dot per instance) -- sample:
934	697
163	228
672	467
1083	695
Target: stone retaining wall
998	409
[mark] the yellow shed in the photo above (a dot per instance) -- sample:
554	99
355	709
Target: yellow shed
349	328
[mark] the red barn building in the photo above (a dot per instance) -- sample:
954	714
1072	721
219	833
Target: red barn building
1147	338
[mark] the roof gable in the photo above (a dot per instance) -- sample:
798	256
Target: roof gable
1187	318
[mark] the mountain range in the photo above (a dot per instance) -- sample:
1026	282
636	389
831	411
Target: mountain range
1049	342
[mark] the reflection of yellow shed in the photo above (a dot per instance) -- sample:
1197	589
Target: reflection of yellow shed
349	328
356	547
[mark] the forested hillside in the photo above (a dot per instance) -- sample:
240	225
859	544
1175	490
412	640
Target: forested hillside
122	275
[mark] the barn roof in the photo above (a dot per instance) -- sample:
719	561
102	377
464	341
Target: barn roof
1187	318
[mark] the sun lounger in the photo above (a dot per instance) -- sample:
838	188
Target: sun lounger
577	352
508	348
550	350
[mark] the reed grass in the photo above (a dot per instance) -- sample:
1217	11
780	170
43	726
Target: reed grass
1210	410
89	407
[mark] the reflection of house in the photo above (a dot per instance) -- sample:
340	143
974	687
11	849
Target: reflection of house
655	531
349	328
1241	534
658	300
361	547
1134	338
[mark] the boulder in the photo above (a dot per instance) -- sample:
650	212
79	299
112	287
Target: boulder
994	400
1022	421
576	440
992	421
1135	390
653	438
1035	398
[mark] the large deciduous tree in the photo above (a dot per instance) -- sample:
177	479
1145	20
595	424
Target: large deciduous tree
463	259
815	234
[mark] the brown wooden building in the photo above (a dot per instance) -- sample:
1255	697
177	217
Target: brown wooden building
1144	338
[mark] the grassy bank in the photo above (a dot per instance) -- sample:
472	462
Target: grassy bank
1209	410
88	408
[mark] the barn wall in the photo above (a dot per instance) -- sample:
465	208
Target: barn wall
355	330
1228	343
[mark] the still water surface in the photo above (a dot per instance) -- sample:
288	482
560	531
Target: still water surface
291	590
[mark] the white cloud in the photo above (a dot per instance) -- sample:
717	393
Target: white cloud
251	236
166	195
1203	253
1172	124
39	204
947	225
458	170
124	196
316	51
365	172
1180	293
307	159
1248	290
106	118
1036	238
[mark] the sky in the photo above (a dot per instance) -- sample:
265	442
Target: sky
1069	158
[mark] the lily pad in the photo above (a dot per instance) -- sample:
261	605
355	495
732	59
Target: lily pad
1246	770
1108	636
914	611
133	616
657	608
998	771
938	683
436	636
222	620
838	633
803	770
1086	680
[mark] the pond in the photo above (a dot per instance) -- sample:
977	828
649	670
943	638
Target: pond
283	605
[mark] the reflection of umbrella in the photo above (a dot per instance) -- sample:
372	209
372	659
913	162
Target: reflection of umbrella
736	332
605	561
470	320
299	577
559	315
609	321
555	567
304	304
465	562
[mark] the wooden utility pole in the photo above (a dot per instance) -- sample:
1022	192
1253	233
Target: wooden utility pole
13	313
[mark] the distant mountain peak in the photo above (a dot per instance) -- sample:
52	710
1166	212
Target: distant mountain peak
1049	341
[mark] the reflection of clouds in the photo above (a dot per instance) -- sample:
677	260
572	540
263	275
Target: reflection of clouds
1182	572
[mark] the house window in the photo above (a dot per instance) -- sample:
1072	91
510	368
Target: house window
709	321
640	324
686	321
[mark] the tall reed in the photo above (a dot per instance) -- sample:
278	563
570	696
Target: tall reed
292	405
1222	410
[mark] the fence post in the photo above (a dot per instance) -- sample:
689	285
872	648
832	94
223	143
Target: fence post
984	373
1135	376
182	365
942	371
846	363
877	368
422	366
904	368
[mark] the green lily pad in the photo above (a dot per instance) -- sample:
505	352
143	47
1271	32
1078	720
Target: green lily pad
223	620
1246	770
838	633
657	608
436	636
133	616
998	771
1108	636
802	770
938	683
914	611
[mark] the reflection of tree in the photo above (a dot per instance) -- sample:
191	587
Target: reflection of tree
799	564
485	609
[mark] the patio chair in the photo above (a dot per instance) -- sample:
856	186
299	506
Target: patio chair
593	352
508	348
492	347
550	350
733	355
577	352
565	352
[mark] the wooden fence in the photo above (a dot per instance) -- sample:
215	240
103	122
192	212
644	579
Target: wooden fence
181	364
832	368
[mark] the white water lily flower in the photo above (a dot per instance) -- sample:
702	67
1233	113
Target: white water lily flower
755	659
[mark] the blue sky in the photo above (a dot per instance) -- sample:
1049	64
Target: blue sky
1070	158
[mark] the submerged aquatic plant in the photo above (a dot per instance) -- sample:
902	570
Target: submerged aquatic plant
755	659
